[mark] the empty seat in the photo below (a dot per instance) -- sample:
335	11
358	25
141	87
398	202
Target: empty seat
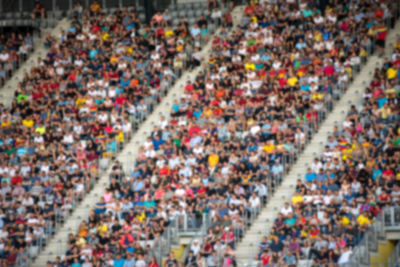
26	15
182	13
192	20
33	251
103	164
52	23
190	13
59	14
43	23
182	6
175	22
142	17
211	27
17	15
190	6
197	5
19	22
173	13
27	22
70	14
198	13
172	7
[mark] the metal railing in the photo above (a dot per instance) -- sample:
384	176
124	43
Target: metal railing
388	219
394	258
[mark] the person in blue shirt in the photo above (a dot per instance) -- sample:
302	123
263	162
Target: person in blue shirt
100	206
118	261
376	172
321	176
305	86
310	176
157	142
129	261
138	185
301	44
195	30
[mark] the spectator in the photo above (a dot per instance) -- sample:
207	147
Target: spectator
38	11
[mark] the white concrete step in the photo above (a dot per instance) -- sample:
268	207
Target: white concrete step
244	253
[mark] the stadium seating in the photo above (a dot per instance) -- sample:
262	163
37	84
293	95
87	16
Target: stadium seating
225	146
74	112
354	178
235	107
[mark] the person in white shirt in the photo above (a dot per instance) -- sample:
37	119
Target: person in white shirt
195	247
345	257
316	166
163	122
286	209
254	202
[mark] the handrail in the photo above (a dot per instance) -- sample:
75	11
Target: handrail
388	219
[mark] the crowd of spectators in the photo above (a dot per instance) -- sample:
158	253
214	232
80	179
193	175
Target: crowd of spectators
230	138
347	186
71	114
264	91
14	49
230	135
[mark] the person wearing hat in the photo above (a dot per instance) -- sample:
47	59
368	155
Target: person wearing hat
228	237
195	247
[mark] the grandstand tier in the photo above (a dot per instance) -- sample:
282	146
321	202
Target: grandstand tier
199	134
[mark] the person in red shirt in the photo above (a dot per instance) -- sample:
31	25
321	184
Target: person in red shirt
228	237
12	257
16	180
314	232
381	33
265	258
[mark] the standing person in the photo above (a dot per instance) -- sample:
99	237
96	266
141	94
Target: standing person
381	32
38	11
229	257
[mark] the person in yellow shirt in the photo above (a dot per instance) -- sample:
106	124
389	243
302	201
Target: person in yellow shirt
385	112
95	7
297	198
5	123
250	66
141	216
27	122
83	230
81	242
269	147
391	73
80	101
362	219
41	129
292	81
168	32
113	59
344	221
102	228
213	160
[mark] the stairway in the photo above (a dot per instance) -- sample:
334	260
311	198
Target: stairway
247	248
379	259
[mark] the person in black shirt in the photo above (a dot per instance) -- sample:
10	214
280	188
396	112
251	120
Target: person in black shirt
171	261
